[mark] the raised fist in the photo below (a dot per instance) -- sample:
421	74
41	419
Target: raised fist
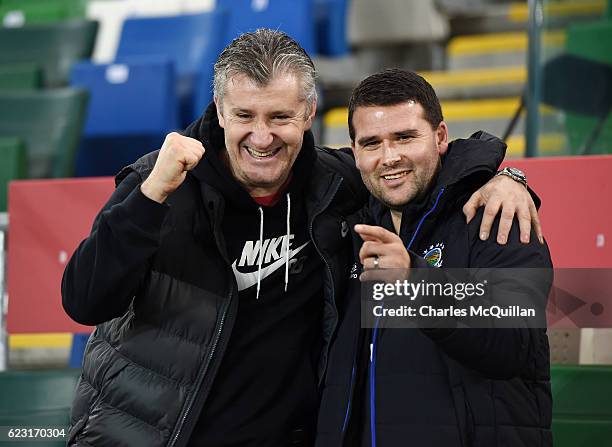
177	155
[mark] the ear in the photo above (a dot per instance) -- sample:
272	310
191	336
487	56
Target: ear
219	107
442	138
310	117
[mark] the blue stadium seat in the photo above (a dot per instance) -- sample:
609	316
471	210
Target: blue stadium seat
132	98
77	350
295	17
330	19
132	106
192	41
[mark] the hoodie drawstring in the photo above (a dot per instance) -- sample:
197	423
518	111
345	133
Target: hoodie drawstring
287	241
261	254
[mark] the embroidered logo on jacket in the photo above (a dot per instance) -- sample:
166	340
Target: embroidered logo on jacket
433	255
272	252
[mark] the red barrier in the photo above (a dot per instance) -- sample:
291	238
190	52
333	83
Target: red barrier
576	209
47	221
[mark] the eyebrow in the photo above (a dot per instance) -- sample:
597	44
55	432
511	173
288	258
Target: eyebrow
364	140
401	133
240	110
275	112
287	112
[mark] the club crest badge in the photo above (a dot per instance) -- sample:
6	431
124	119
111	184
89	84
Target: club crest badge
433	255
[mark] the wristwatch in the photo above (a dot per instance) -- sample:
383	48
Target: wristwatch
515	174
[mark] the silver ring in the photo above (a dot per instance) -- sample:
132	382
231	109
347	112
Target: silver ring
376	261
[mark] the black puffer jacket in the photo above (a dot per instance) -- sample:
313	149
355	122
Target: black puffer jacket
442	387
163	326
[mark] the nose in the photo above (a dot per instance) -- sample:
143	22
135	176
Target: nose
390	156
261	137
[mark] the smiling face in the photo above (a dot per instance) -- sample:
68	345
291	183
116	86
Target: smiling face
264	129
397	151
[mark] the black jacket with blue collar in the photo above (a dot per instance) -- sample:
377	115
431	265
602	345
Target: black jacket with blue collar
442	387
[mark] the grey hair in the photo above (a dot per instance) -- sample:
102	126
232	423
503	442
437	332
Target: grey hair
261	55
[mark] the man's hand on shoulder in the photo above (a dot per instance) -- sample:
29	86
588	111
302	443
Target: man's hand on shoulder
177	155
510	197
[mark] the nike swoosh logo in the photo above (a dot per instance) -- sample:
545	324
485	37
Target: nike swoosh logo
246	280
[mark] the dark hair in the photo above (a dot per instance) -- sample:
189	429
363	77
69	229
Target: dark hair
395	86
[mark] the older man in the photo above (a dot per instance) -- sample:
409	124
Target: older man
440	385
213	279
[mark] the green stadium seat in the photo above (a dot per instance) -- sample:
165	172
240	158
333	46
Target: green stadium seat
20	77
37	399
582	411
592	42
35	418
50	123
19	12
28	391
53	46
577	433
12	165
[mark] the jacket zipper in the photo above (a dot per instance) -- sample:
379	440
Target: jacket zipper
351	388
329	270
347	415
372	369
204	370
469	420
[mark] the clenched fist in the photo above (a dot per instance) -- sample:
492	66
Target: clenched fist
177	155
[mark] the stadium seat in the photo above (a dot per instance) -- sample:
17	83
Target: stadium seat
12	165
24	391
497	49
395	22
53	46
77	350
111	14
591	41
131	108
37	399
50	123
191	41
330	19
19	76
582	414
107	155
296	18
137	97
16	13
